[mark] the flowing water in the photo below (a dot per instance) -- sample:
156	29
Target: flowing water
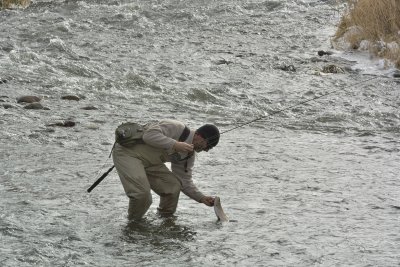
314	185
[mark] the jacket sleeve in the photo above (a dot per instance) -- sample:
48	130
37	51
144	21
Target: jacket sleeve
188	187
163	134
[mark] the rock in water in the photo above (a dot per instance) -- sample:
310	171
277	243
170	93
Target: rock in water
28	99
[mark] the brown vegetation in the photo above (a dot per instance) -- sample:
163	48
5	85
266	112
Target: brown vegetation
374	21
10	3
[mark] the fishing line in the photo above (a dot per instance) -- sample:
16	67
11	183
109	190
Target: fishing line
256	119
299	104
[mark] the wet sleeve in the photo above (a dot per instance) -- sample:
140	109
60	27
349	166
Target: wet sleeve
188	187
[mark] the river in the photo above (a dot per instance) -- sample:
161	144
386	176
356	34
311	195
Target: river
308	183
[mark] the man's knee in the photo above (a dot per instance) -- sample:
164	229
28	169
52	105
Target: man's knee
143	197
173	187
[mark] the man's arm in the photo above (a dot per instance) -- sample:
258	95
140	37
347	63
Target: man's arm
185	176
163	134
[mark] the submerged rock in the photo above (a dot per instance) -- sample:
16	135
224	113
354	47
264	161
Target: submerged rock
63	124
290	68
323	53
28	99
223	62
90	108
332	69
7	106
70	97
35	105
396	74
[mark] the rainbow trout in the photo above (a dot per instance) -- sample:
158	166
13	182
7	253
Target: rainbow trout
219	211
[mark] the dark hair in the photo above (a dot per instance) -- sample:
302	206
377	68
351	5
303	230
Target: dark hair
209	132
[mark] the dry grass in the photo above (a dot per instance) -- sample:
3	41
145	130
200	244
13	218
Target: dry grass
376	21
9	3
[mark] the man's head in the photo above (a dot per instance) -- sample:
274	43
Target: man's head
206	137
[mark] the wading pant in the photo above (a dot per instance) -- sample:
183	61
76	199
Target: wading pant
140	169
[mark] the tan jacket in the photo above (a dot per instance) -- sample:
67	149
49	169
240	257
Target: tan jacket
164	134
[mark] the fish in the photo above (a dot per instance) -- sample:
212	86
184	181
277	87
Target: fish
219	211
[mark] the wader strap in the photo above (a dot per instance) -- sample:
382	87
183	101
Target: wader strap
182	138
184	134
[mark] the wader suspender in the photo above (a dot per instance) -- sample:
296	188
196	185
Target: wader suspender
182	138
184	134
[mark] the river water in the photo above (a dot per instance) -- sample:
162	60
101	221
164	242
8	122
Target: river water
314	185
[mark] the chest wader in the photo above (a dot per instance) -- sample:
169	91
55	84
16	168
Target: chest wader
141	169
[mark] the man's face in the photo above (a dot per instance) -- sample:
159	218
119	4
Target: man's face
199	143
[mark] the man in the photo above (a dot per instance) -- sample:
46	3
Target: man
142	167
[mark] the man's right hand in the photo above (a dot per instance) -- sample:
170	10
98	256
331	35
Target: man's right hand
183	147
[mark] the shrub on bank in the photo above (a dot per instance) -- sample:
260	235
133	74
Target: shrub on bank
10	3
372	25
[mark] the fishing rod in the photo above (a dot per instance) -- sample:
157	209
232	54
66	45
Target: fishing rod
100	179
254	120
